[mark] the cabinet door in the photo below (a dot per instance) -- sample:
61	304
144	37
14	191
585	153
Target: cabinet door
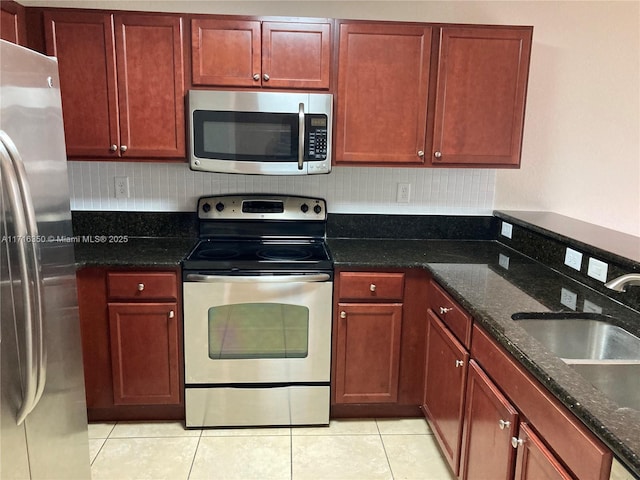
150	85
13	27
368	352
489	424
534	460
482	82
225	52
446	371
144	353
296	55
383	85
84	45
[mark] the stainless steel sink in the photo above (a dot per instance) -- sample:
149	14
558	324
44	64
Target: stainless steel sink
606	355
580	337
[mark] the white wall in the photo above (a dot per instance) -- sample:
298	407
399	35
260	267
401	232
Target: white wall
581	151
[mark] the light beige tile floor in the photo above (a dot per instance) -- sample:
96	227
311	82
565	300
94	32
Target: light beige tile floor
365	449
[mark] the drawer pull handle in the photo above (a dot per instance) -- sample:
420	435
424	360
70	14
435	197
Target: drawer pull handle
516	442
140	287
171	314
504	424
343	314
372	287
445	310
459	363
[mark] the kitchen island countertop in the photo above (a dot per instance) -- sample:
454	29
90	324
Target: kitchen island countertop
492	281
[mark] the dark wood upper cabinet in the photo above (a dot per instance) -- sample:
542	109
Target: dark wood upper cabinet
250	53
13	27
383	87
84	45
122	83
480	96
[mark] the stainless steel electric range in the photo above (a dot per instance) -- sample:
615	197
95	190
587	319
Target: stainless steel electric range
257	292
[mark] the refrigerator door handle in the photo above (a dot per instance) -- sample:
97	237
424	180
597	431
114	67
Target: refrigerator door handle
27	240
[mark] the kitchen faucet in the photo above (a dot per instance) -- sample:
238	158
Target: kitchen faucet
621	283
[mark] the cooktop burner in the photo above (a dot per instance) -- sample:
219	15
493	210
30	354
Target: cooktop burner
256	254
260	232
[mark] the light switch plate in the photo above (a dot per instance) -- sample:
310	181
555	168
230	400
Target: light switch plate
503	261
591	307
597	269
507	229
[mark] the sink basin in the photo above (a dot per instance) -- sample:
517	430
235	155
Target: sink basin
618	381
580	337
605	355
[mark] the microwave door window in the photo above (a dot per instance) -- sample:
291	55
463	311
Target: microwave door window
246	136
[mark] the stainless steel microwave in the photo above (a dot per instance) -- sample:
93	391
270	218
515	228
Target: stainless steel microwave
262	133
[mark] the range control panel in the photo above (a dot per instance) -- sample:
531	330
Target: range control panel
261	207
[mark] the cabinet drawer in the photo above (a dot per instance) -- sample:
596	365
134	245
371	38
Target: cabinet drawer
586	456
141	285
454	317
371	286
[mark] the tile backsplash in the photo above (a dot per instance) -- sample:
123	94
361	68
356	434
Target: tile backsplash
166	187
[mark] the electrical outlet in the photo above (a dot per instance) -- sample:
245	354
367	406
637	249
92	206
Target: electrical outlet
404	193
573	259
503	261
122	187
597	269
507	229
569	298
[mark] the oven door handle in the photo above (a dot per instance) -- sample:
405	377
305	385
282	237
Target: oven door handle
316	277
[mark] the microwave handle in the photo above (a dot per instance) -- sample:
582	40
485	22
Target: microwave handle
300	136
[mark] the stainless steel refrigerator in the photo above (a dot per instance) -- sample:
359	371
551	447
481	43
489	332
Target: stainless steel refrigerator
43	421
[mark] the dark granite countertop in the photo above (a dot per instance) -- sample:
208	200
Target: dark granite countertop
492	281
125	251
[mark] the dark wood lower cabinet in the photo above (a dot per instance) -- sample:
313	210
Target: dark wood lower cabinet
490	422
368	353
445	378
131	327
534	460
144	353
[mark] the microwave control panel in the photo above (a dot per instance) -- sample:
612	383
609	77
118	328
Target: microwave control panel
316	137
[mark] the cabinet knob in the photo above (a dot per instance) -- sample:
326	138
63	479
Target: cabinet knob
343	314
172	314
123	148
504	424
265	77
438	154
113	147
420	153
140	287
516	442
445	310
459	363
256	76
372	287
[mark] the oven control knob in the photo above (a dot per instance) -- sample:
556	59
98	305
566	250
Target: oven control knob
304	207
317	209
206	207
219	206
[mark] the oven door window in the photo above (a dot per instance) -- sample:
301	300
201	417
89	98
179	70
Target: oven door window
245	136
258	330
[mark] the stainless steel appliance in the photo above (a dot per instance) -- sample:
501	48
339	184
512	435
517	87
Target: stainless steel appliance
257	292
266	133
43	412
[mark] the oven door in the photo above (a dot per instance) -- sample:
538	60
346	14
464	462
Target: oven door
257	329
